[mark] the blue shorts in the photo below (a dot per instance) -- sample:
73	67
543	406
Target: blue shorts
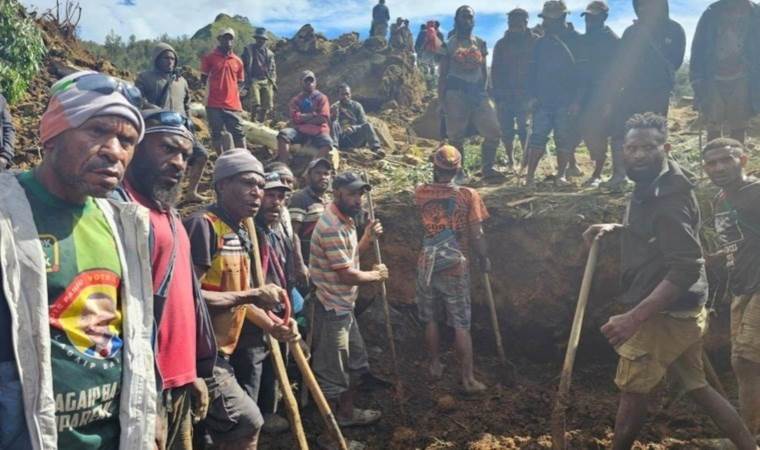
558	120
13	432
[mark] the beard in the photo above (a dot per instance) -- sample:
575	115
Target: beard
644	175
147	182
166	196
348	210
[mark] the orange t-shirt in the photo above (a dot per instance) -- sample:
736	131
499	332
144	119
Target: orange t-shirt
433	202
224	72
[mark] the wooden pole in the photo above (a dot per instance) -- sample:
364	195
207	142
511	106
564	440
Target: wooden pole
494	317
276	354
386	310
560	404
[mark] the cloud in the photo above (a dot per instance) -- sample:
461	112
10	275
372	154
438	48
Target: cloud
149	18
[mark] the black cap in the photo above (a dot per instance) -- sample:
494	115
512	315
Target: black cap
315	162
518	12
351	181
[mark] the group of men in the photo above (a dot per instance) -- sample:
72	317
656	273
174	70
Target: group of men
552	81
125	325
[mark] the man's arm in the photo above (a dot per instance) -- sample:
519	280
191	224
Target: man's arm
266	297
361	118
679	243
372	231
355	277
8	138
443	69
478	239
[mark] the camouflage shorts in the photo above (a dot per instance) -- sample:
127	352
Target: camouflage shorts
449	294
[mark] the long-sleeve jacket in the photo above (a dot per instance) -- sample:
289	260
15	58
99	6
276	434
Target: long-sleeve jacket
554	75
598	51
8	136
152	83
510	68
259	63
380	13
25	288
703	61
661	241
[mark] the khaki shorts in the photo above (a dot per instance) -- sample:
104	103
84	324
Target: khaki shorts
745	327
664	343
261	94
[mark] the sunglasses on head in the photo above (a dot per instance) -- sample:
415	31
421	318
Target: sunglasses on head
167	118
103	84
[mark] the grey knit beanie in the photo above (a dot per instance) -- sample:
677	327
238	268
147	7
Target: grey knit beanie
235	161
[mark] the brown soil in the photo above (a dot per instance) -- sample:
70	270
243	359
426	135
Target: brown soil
538	258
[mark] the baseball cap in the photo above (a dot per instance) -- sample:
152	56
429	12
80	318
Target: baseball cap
596	7
224	31
447	157
273	180
553	9
351	181
307	74
314	163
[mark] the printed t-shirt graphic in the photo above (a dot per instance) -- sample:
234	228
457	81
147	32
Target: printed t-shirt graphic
83	280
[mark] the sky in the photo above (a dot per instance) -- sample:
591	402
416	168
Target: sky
150	18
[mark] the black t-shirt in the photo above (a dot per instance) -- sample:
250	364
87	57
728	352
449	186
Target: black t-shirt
6	343
737	222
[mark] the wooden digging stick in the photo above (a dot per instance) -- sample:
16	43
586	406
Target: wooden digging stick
494	318
386	310
309	339
276	354
560	404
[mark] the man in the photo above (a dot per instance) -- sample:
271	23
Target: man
224	74
452	216
462	91
350	124
598	50
261	75
7	135
509	81
185	346
380	18
222	245
428	46
253	369
665	284
308	204
554	86
725	67
737	221
401	36
340	359
651	52
163	87
68	255
310	118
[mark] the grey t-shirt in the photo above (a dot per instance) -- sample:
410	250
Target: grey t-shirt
466	57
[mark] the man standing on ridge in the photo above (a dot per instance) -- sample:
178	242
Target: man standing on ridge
261	76
224	74
163	87
463	95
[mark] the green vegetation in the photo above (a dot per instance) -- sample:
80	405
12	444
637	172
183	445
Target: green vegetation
135	55
21	50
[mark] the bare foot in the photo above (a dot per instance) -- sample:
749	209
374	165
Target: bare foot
436	370
473	386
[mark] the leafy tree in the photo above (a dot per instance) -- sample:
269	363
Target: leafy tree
21	50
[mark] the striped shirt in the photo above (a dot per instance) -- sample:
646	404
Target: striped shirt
334	247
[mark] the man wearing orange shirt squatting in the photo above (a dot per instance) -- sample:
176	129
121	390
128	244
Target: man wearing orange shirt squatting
665	287
223	70
737	222
452	217
340	358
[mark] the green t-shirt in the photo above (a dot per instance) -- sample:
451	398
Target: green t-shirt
83	281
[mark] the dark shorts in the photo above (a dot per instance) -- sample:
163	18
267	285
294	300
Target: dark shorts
232	414
446	294
293	136
220	119
557	120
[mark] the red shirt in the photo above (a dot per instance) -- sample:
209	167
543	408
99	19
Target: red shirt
314	103
175	346
223	72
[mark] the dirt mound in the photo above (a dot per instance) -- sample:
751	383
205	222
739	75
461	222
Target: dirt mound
377	76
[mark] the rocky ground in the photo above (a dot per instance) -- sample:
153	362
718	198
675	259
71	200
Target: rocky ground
534	239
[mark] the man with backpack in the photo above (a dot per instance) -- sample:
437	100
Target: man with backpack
452	218
261	76
163	87
428	47
509	79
